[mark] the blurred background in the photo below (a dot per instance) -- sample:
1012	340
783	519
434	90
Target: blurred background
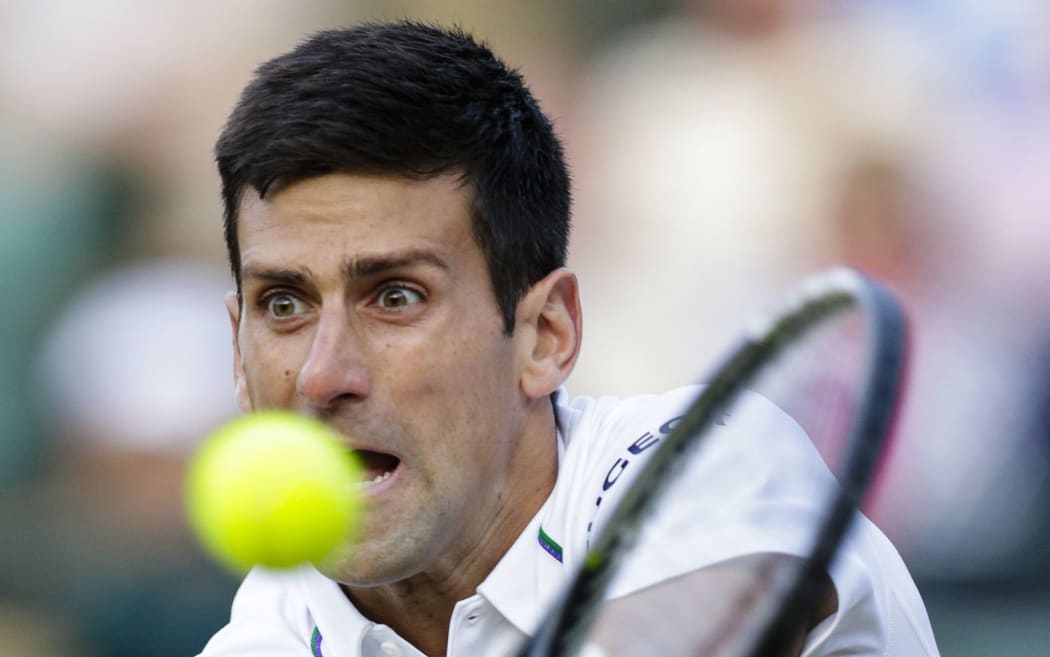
721	149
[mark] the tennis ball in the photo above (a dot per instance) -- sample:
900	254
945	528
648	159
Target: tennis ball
274	489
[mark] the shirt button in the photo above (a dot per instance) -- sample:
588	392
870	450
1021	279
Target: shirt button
390	648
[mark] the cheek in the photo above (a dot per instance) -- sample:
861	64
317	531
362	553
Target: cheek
474	391
443	372
471	368
270	372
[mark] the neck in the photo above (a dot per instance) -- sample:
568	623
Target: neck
418	612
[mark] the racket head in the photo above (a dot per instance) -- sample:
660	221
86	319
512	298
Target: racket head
833	360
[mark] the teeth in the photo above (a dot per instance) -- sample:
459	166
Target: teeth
378	478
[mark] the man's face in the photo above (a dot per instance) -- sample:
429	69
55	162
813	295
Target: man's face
366	302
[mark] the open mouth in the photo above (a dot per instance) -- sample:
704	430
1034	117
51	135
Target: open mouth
378	466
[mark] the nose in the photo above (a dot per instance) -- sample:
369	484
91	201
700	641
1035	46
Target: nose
334	370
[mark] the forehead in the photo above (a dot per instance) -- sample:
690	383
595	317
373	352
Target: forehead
359	213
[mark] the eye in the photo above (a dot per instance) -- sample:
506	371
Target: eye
283	305
398	297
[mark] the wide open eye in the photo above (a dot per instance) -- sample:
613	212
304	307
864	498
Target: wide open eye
283	305
398	297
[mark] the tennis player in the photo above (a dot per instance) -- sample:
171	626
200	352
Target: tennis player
397	214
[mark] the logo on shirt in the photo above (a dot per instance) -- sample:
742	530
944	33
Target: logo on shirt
635	449
549	545
315	643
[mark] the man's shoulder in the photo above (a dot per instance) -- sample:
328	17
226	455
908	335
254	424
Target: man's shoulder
608	420
607	442
598	426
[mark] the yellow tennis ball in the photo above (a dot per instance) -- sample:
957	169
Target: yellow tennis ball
274	489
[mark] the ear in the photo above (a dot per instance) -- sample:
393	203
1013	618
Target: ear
548	326
233	306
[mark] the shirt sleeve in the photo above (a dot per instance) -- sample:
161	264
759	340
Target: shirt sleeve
880	611
756	485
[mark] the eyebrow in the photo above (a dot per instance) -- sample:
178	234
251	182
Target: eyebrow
291	277
370	265
353	268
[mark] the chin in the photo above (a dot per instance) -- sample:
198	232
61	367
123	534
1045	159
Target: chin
360	568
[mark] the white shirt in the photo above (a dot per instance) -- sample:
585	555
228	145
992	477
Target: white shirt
756	486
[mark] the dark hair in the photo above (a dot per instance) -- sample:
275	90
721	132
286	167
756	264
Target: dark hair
415	100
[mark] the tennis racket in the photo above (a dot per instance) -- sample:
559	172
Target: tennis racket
833	358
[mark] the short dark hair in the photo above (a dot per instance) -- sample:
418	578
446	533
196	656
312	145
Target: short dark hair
408	99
